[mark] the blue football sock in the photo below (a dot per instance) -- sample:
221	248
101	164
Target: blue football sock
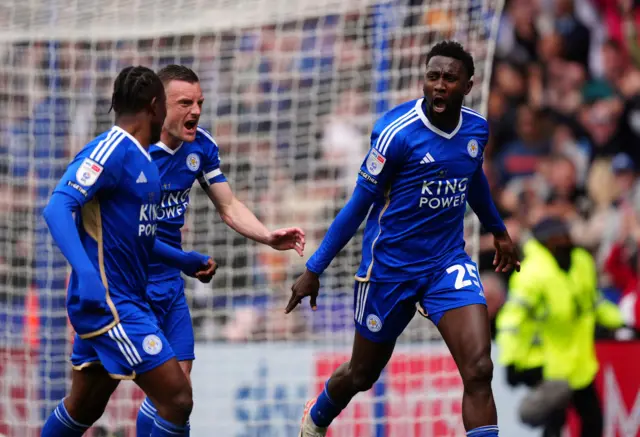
146	415
325	409
484	431
164	428
60	424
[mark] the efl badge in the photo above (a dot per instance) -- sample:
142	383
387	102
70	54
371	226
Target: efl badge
88	172
472	148
193	162
374	323
152	344
375	162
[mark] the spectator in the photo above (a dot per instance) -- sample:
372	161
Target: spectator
575	35
615	63
618	224
522	156
518	36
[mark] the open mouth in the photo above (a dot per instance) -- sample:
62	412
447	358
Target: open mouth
439	104
191	125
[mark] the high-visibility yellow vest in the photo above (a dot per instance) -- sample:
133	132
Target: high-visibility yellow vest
517	337
562	309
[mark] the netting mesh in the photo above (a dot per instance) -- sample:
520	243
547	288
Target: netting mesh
292	89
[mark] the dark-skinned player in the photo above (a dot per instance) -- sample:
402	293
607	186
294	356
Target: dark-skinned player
424	166
102	215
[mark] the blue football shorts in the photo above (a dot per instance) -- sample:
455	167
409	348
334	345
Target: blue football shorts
169	304
384	309
132	347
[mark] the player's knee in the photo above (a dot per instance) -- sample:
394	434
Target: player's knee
362	377
182	403
176	405
478	372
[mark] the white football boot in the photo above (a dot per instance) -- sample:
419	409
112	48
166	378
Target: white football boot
308	428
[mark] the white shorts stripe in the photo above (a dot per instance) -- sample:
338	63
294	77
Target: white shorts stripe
107	145
127	341
102	143
364	300
117	141
392	126
120	346
385	146
212	174
124	344
358	298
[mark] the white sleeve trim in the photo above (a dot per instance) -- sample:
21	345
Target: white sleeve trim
212	174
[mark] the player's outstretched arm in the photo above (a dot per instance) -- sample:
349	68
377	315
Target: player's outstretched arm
507	254
239	218
58	215
193	264
342	229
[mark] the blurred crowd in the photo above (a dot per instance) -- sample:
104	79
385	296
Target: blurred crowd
564	111
291	107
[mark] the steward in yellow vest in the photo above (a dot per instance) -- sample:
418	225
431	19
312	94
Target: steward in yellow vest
554	302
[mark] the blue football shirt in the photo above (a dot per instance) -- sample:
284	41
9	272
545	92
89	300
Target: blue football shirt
179	169
118	186
422	177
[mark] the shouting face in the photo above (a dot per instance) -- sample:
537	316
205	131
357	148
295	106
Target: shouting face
446	82
184	105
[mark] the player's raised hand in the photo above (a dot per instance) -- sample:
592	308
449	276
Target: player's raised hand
286	239
307	285
206	273
507	254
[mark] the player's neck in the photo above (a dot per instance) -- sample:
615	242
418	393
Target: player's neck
169	140
134	127
446	122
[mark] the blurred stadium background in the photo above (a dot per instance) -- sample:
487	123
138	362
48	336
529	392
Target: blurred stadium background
292	89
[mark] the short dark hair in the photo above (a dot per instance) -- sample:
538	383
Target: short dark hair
134	89
177	72
453	49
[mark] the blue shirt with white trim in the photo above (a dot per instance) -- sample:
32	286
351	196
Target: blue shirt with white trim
179	169
422	178
118	187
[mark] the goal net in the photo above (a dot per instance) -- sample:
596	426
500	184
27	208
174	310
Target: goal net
292	90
